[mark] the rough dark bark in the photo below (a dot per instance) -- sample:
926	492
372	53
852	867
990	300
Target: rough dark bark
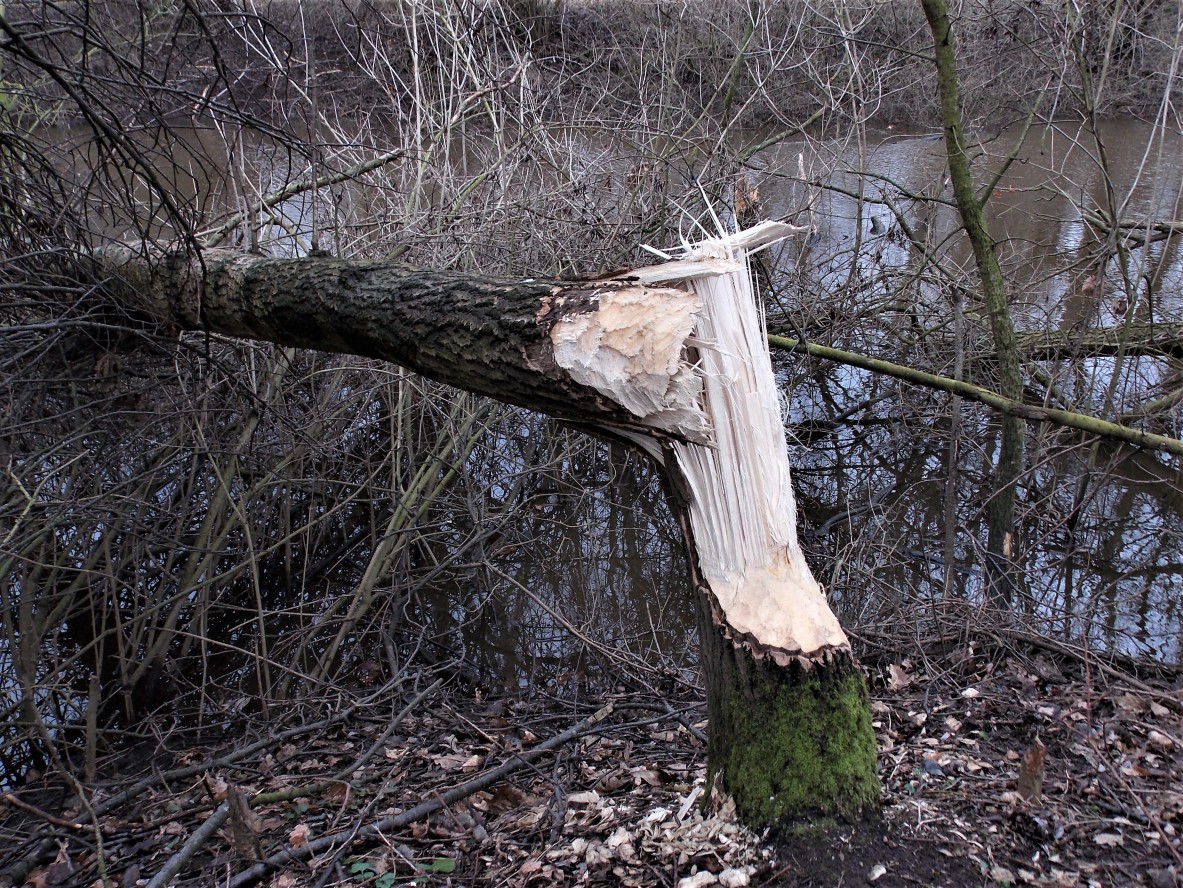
793	743
487	336
1158	340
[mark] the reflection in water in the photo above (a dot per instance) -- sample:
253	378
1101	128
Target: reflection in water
585	573
1099	547
555	550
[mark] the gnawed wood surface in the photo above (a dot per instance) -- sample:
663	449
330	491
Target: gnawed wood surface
741	506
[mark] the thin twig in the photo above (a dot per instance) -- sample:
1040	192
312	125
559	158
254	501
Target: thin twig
16	802
397	821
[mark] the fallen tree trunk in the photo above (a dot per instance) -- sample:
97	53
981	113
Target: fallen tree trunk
673	358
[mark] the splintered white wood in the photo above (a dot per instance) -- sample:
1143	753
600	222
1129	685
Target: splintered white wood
742	509
630	348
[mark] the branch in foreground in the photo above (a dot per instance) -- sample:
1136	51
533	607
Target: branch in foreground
398	821
1032	412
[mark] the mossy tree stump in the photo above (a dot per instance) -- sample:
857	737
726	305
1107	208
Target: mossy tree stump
792	744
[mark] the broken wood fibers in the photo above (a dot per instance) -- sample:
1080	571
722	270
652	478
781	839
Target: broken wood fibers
672	357
701	368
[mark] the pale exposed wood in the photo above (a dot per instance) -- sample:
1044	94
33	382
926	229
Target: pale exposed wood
741	506
681	368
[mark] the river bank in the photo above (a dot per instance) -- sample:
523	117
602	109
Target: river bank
689	67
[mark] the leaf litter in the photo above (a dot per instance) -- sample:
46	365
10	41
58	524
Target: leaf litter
1044	775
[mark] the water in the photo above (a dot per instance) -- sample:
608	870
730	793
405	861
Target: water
1099	548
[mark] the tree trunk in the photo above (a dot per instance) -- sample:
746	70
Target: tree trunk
790	741
1009	464
673	358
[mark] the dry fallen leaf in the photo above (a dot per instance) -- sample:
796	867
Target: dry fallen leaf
645	775
1030	784
455	761
1130	704
1160	740
899	678
1002	875
1109	839
298	837
217	788
505	797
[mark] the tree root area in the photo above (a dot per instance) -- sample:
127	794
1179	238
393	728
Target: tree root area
1001	764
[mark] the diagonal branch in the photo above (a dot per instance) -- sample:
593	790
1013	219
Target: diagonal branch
1007	406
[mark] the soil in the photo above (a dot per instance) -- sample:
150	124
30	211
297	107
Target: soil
1009	760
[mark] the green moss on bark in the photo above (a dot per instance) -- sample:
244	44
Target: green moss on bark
795	745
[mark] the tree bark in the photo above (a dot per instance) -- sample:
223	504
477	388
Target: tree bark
683	372
516	341
791	742
1156	340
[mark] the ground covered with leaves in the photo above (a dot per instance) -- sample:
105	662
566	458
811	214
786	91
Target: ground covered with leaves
1006	760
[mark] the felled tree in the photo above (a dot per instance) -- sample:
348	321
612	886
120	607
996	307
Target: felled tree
673	358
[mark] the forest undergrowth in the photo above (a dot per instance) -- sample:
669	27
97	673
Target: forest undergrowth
274	617
1006	760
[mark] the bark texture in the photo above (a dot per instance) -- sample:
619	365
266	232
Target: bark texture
537	344
1009	464
791	743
